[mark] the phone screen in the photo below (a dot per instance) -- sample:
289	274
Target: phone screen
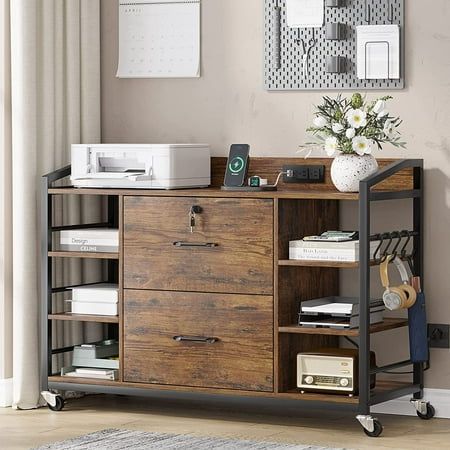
236	170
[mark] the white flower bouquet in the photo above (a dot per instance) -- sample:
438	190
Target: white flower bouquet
354	125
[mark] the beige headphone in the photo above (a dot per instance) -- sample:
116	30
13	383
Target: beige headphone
403	296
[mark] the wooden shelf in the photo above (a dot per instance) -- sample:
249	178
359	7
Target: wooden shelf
382	386
307	263
387	324
88	255
210	192
83	318
295	394
76	380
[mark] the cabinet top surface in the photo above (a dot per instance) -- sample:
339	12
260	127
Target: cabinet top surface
209	192
268	168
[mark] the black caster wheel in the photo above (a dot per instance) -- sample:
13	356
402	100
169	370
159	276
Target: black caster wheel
429	414
377	429
59	404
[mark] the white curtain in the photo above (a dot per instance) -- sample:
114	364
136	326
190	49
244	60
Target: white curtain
55	87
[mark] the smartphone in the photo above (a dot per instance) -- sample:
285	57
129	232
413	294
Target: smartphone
237	165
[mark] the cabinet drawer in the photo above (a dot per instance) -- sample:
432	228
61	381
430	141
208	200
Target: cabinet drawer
201	340
230	249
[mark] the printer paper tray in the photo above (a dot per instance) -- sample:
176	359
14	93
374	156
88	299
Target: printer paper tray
116	183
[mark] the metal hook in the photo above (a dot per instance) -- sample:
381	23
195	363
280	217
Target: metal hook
390	11
300	41
377	250
407	234
396	235
367	11
386	249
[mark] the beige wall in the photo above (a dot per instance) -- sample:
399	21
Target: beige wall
228	104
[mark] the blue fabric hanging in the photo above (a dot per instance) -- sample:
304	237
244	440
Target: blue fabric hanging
418	339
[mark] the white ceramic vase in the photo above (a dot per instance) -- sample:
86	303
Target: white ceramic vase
348	170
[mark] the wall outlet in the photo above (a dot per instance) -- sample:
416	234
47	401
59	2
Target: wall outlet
439	335
304	174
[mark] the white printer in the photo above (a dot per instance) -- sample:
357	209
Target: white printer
141	166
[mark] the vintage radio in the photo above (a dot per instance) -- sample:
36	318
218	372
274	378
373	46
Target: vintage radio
331	369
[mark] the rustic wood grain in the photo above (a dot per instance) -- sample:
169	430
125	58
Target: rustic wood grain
86	255
212	192
241	359
298	218
67	316
270	167
256	353
120	280
314	263
293	394
276	346
387	324
290	346
241	263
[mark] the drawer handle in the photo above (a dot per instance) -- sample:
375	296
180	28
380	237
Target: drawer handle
195	244
198	339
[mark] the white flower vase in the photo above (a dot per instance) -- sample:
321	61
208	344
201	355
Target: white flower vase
348	170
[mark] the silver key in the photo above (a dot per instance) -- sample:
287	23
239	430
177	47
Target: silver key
191	220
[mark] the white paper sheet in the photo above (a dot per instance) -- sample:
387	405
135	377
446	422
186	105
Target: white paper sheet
159	39
378	52
305	13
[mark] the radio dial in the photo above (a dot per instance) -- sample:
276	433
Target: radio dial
309	379
344	382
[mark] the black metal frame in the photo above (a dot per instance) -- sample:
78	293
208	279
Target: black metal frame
366	197
47	289
46	272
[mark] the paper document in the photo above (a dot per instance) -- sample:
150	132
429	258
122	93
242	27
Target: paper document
305	13
378	52
159	39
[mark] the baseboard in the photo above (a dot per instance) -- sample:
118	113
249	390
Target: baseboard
6	392
439	398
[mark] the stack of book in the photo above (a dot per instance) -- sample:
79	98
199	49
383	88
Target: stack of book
89	240
347	251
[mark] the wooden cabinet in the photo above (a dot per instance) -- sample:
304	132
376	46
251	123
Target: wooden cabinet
199	339
229	250
215	310
198	304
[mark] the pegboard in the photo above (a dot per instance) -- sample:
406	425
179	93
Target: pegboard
288	75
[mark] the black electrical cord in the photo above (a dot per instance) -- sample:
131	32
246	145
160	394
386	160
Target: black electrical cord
351	341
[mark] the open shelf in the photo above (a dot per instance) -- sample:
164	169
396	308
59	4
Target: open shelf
76	380
83	318
387	324
89	255
308	263
382	387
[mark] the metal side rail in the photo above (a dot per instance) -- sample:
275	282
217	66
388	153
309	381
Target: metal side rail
366	196
46	272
